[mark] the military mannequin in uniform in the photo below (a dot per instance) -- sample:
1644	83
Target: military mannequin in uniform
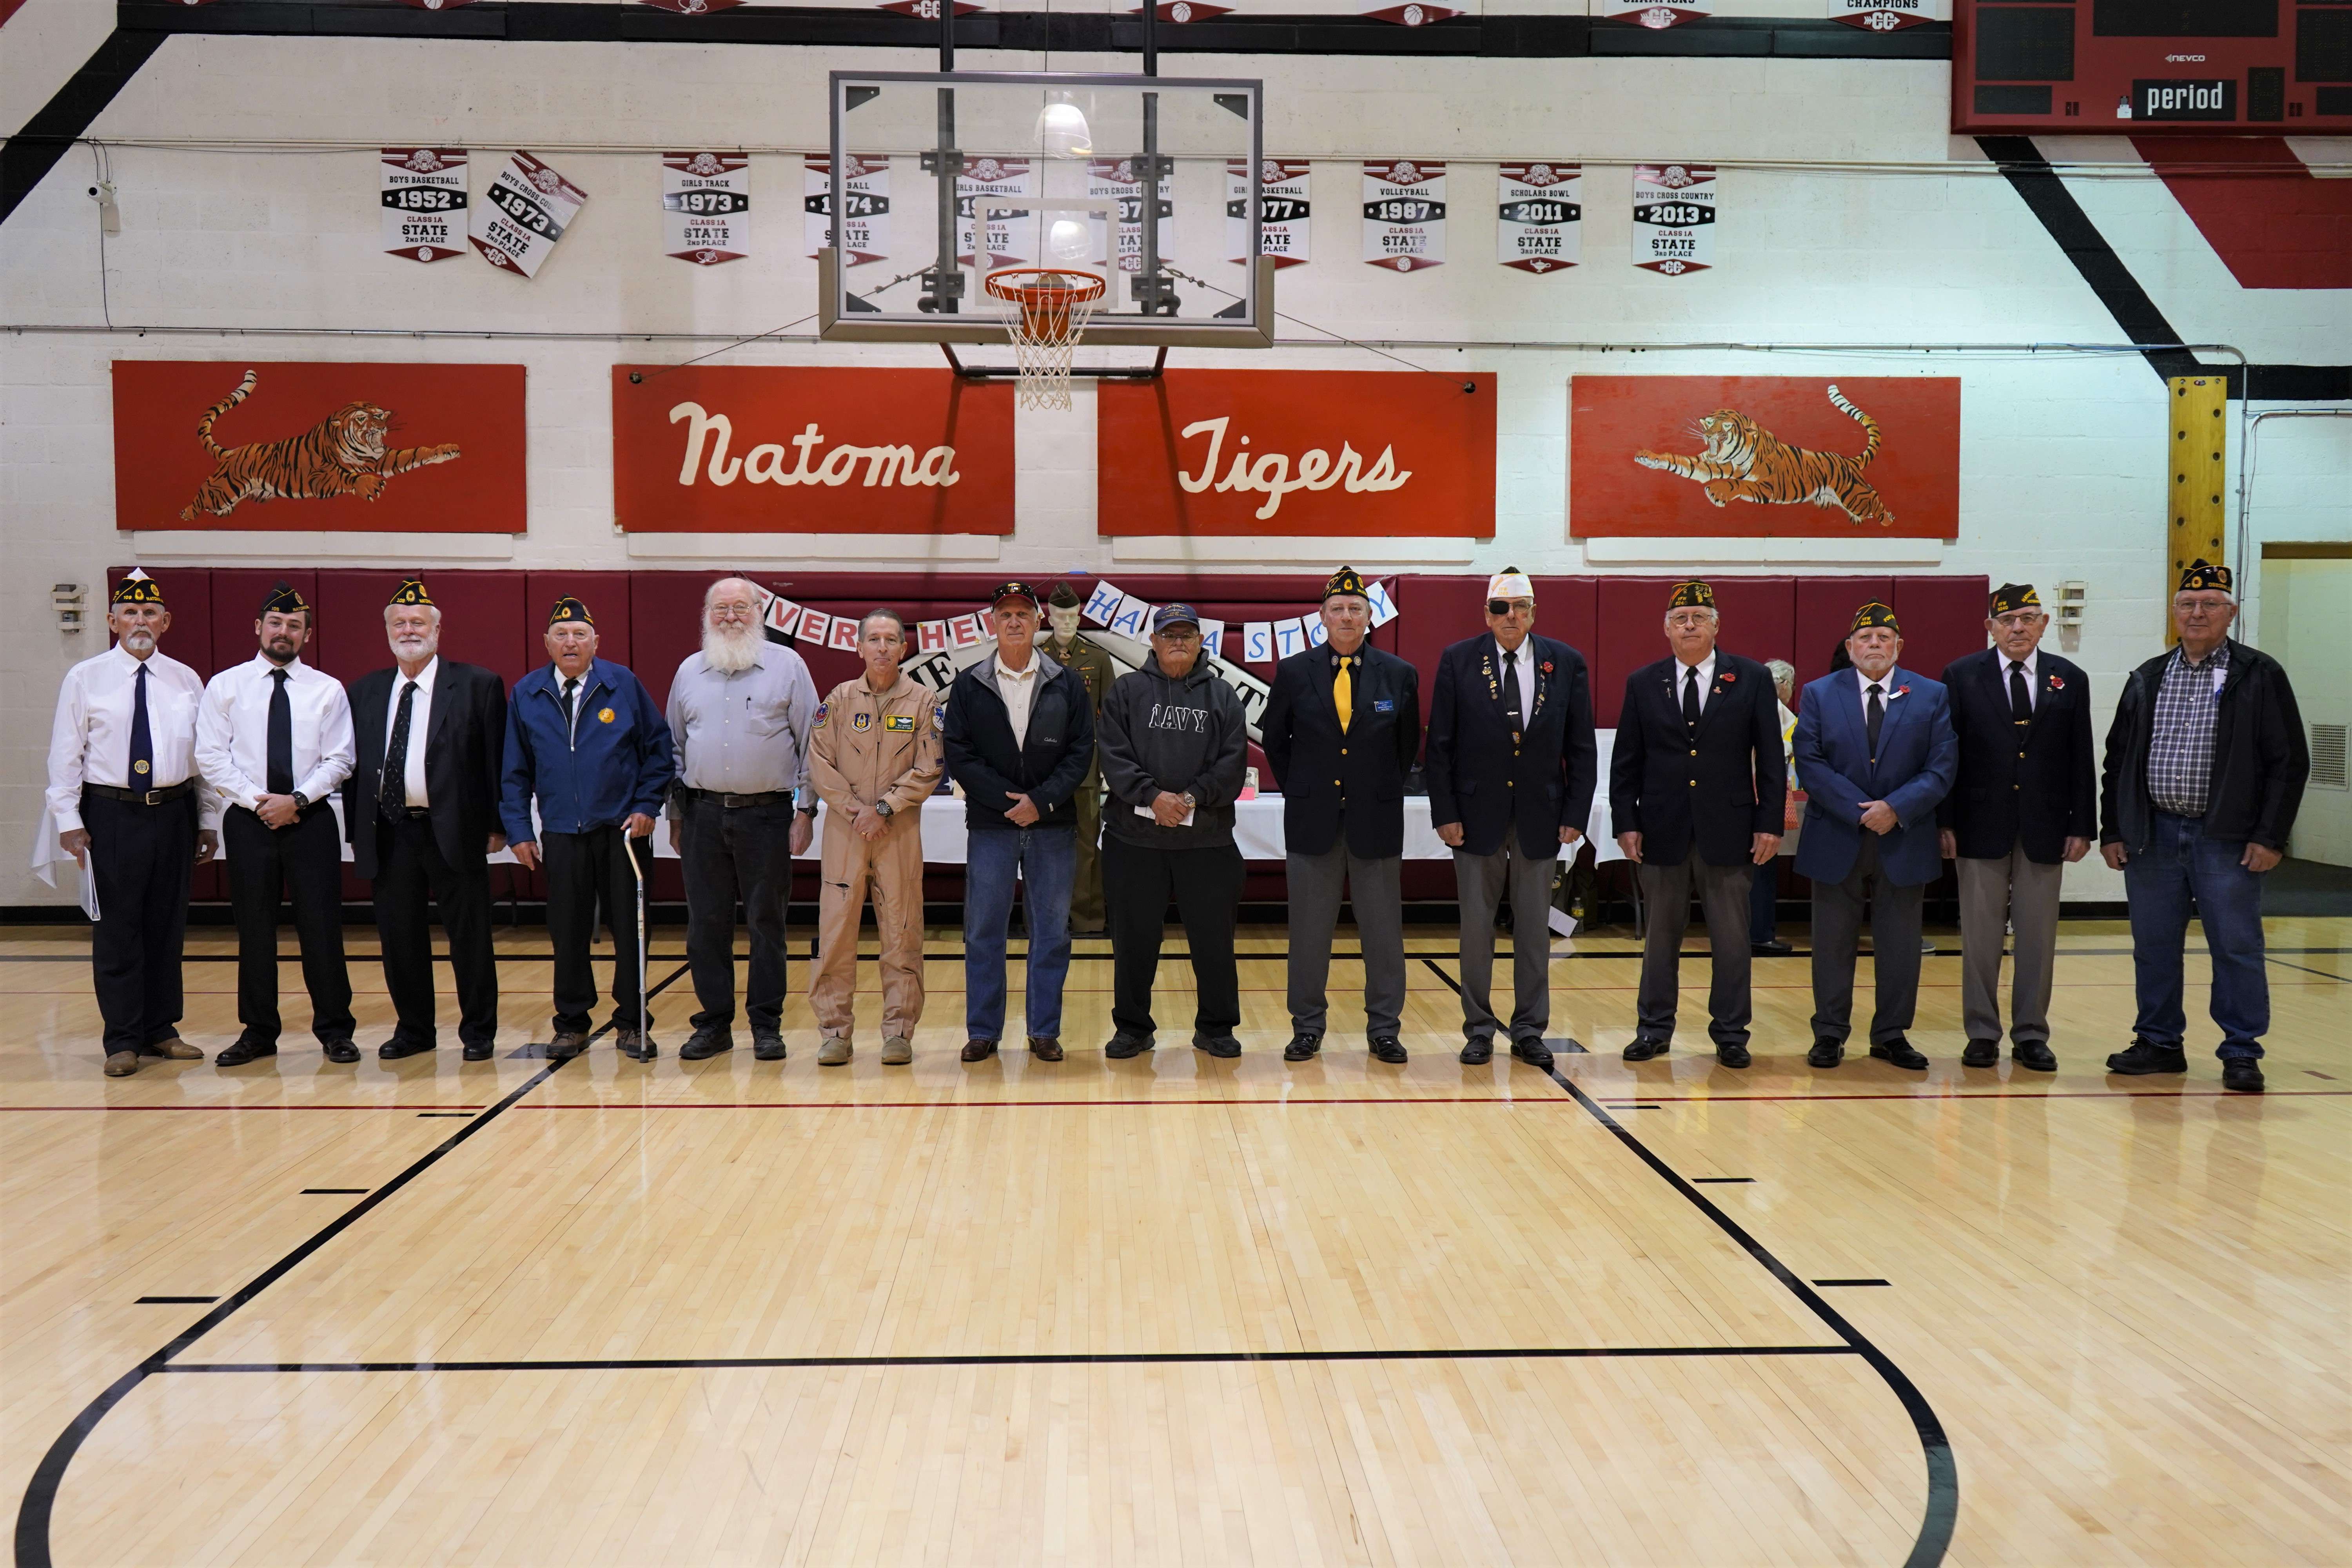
1072	652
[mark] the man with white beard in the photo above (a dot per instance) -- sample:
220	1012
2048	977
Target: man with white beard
740	712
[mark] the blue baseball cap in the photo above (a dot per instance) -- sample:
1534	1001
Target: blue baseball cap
1168	615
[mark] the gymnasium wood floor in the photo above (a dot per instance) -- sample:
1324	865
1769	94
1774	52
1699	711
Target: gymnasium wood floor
1174	1310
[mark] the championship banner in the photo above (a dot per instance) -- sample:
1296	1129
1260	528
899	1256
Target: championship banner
810	449
865	207
692	7
526	209
707	206
1114	178
346	447
1216	453
1283	210
1413	14
994	178
1540	216
1404	215
423	195
926	10
1182	10
1674	217
1759	457
1651	13
1888	15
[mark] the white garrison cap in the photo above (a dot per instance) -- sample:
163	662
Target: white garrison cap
1510	582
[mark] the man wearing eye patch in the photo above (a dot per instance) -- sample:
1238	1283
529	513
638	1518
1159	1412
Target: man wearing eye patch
1512	765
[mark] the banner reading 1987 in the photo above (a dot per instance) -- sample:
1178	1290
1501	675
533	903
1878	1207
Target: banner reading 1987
1674	217
424	195
1540	216
707	206
1404	215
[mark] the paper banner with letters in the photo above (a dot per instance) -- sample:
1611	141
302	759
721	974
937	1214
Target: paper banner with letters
1404	214
1674	217
707	206
865	207
525	212
423	190
1284	210
1540	216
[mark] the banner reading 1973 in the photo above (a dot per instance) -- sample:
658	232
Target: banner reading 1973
707	206
526	211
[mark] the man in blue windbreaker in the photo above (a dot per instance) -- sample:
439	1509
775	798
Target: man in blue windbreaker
590	742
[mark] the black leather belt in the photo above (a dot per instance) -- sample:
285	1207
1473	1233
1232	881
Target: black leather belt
302	815
403	813
736	802
140	796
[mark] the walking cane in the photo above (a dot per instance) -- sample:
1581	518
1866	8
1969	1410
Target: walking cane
644	1025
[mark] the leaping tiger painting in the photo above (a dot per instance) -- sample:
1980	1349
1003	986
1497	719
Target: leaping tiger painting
342	455
1744	461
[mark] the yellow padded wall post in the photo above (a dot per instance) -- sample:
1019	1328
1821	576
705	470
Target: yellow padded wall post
2199	406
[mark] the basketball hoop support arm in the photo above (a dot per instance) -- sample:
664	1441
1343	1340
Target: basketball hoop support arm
1077	372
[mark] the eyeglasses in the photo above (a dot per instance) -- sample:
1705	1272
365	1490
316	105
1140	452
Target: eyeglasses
1505	606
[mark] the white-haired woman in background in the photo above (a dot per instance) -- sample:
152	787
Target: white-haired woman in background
1764	892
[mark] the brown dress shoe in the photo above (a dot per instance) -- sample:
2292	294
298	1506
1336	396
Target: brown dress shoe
567	1044
1045	1048
177	1049
121	1064
979	1050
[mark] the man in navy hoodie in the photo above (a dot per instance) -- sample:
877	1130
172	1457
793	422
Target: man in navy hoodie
588	740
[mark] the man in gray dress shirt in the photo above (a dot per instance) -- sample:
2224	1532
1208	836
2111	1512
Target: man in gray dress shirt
740	712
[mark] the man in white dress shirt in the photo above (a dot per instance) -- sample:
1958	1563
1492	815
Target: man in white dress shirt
274	743
124	799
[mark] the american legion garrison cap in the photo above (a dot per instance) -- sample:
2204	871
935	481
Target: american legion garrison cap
2013	597
1873	613
568	608
2203	574
137	589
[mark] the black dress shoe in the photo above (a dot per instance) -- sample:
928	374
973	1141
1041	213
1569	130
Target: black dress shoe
1044	1048
1732	1055
1478	1052
1534	1053
479	1050
635	1045
1775	948
1898	1052
247	1049
340	1051
767	1045
1981	1054
1825	1054
1388	1048
567	1044
1302	1047
1642	1050
1123	1046
979	1050
1220	1046
2034	1054
2141	1059
393	1049
2242	1074
706	1043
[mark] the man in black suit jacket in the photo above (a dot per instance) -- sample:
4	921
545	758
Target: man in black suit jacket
2024	806
1697	786
1349	714
422	807
1512	765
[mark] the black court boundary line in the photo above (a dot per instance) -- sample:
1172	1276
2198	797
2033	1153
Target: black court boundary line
32	1515
1943	1508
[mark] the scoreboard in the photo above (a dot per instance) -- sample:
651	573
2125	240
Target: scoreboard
2142	66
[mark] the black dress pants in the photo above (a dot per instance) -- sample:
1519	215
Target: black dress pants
143	857
583	869
410	870
1139	881
303	861
746	852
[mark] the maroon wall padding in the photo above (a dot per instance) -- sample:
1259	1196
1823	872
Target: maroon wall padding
1759	617
1825	607
606	595
482	620
1942	618
188	595
236	604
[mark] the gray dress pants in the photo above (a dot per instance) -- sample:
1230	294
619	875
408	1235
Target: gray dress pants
1723	899
2013	891
1480	881
1379	896
1894	915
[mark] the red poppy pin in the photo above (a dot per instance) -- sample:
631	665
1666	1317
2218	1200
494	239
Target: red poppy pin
2056	684
1728	678
1902	691
1545	667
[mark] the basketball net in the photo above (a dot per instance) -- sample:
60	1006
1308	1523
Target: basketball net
1046	310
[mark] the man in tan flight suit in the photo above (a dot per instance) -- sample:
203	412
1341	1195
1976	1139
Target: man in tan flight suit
1071	651
873	758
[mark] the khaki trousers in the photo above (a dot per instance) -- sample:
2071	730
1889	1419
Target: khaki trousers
892	869
1994	895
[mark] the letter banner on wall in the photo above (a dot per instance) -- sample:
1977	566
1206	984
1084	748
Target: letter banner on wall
995	179
1283	210
1540	216
707	206
423	195
1289	452
810	449
1114	179
1404	214
1888	15
350	446
865	223
1754	456
525	212
1674	217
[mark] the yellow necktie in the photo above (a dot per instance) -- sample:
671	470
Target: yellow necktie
1343	693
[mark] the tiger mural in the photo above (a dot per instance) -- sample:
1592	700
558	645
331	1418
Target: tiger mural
342	455
1744	461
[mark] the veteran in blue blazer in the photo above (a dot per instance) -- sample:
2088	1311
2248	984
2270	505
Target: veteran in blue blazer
1876	754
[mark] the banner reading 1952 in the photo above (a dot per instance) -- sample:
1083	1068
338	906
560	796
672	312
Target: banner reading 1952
423	195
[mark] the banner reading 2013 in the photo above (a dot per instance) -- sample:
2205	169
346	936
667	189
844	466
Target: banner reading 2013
1674	217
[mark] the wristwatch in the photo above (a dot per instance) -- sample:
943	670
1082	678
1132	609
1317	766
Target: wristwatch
882	808
1187	798
806	810
301	800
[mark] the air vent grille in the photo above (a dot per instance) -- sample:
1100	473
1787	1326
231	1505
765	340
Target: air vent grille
2327	756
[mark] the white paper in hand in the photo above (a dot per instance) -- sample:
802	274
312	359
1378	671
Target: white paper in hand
89	892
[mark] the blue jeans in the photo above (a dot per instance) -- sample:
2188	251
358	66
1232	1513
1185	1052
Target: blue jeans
2182	870
1046	860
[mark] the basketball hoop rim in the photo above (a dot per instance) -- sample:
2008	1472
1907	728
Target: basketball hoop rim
1094	286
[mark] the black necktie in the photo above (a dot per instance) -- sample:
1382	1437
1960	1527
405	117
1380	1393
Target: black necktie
2021	705
1874	716
392	794
571	699
1512	697
1690	697
142	742
281	738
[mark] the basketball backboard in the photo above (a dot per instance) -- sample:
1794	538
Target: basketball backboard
945	177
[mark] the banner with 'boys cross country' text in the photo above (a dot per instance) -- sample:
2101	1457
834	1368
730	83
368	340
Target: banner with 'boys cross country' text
1213	453
810	449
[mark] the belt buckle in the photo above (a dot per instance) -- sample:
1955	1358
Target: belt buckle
152	797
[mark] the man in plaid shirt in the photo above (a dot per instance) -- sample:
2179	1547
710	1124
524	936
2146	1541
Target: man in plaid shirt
2205	768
